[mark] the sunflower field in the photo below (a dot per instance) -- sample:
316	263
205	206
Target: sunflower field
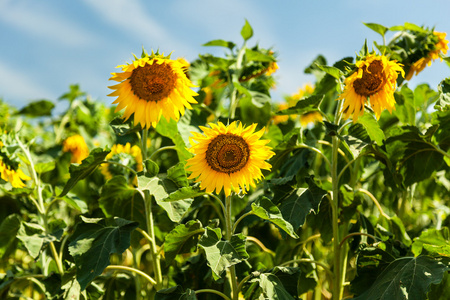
195	184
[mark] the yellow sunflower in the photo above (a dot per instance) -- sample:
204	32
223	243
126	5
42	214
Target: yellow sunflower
151	87
441	47
229	157
303	92
76	145
10	173
310	117
127	155
277	119
374	79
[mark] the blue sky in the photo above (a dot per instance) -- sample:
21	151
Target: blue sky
49	44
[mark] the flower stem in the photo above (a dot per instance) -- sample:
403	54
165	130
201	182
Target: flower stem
229	232
129	269
212	291
149	220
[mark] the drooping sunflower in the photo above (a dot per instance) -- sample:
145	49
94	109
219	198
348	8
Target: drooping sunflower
229	157
151	87
77	147
10	171
440	48
374	81
127	155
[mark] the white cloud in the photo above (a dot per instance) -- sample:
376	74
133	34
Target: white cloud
133	18
18	88
40	21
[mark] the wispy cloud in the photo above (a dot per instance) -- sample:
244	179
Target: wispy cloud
40	21
18	88
133	18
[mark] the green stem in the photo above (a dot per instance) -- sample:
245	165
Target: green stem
234	93
41	207
162	149
149	220
212	291
356	234
317	151
229	232
335	222
260	244
240	219
132	270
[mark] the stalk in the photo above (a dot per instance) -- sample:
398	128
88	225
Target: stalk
228	233
149	220
40	205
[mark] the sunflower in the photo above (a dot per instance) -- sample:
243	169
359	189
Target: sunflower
76	145
229	157
151	87
127	155
9	171
310	117
441	47
374	79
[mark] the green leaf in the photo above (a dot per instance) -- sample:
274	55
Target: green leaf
416	159
119	199
355	145
443	102
44	167
74	201
182	239
377	28
222	254
406	108
333	71
266	210
170	129
8	231
246	31
273	288
303	106
177	174
189	192
122	127
407	278
221	43
252	110
37	109
160	189
151	167
88	166
252	55
175	293
94	241
435	242
372	128
300	202
32	236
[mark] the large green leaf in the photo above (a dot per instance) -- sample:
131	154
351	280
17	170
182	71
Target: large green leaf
188	192
407	278
415	157
377	28
405	108
301	202
372	128
170	129
8	230
177	174
161	189
222	254
38	109
435	242
266	210
273	288
32	236
182	239
119	199
94	241
88	166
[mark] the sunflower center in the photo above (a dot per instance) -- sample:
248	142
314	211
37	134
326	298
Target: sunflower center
372	80
227	153
153	82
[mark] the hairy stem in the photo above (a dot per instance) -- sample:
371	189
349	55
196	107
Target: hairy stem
229	232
